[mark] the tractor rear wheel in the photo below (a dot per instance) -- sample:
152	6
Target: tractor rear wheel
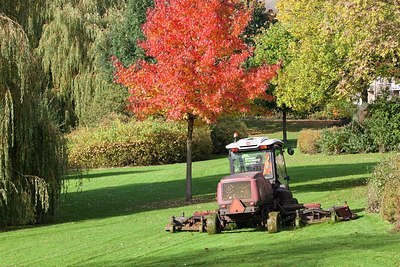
273	222
213	224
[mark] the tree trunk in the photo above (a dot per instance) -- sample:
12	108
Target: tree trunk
284	124
189	142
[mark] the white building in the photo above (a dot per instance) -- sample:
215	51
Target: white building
380	84
270	4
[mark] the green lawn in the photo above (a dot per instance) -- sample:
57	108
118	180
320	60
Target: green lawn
119	216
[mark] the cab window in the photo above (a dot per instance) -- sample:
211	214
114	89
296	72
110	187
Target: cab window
260	161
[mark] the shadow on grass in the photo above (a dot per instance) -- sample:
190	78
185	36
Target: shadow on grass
134	198
100	174
329	185
138	197
301	174
356	211
332	250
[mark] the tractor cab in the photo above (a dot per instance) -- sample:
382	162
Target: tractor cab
258	154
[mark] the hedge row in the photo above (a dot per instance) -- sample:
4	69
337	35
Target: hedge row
136	143
384	190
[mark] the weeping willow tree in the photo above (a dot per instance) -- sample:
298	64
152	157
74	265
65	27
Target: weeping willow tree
70	49
30	14
31	147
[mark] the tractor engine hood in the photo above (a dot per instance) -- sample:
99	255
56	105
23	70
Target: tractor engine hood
249	187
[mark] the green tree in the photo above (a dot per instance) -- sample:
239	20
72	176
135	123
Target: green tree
76	48
369	42
122	37
71	49
272	45
342	46
75	40
259	21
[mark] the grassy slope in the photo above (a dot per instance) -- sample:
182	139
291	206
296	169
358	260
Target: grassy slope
119	216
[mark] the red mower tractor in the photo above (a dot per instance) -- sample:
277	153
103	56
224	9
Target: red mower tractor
253	195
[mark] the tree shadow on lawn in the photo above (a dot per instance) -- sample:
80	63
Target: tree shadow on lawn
301	174
134	198
98	173
275	251
138	197
329	185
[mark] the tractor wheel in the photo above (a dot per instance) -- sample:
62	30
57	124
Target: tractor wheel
273	222
213	224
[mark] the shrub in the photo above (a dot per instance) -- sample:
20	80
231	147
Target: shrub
359	139
383	122
222	133
376	127
384	189
135	143
308	141
349	139
333	140
390	201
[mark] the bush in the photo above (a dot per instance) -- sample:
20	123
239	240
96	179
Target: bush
378	128
384	189
149	142
349	139
333	140
390	201
222	133
308	141
359	139
383	122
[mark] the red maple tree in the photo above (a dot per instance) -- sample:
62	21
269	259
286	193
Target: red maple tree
198	69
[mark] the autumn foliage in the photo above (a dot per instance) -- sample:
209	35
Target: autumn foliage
198	62
197	68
